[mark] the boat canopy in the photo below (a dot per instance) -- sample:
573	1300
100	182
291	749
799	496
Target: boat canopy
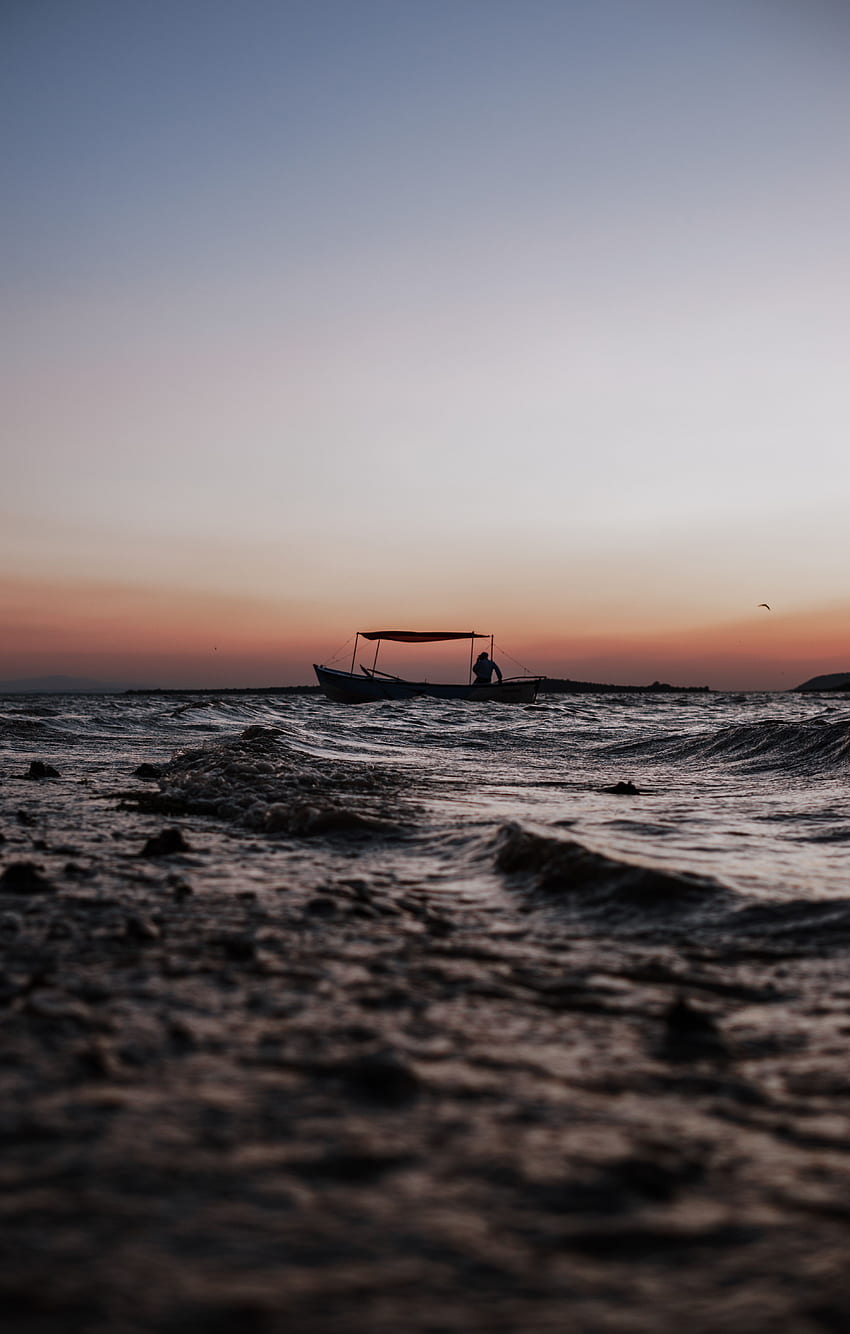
419	636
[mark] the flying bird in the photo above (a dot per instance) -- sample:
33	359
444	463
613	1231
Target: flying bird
764	604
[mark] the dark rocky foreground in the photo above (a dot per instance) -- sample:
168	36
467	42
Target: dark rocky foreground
349	1108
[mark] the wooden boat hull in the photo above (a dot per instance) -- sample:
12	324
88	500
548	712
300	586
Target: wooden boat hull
348	688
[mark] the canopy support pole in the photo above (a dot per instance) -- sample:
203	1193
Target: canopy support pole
354	652
375	659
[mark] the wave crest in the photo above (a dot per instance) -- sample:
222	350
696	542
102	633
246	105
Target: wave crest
805	746
255	781
565	872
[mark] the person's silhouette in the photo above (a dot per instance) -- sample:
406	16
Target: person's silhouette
483	670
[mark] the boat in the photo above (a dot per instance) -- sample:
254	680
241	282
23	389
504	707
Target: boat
371	685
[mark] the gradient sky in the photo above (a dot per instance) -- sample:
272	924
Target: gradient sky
531	316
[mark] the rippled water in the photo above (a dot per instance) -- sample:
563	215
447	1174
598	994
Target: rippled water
749	791
395	1010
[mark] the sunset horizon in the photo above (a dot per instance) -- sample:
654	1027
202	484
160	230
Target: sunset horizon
154	637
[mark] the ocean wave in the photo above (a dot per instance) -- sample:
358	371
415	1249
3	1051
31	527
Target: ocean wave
21	733
562	872
799	922
256	781
807	746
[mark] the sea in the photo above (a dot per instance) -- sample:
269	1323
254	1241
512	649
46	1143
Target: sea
654	812
443	1017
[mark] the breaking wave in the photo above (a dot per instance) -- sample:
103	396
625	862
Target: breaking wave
809	746
605	893
254	780
562	872
798	922
21	733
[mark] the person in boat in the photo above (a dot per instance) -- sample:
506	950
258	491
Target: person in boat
483	670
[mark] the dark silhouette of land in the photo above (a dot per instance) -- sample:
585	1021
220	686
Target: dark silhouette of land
834	681
60	685
224	690
549	685
559	685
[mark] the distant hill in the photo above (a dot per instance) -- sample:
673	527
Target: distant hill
836	681
59	685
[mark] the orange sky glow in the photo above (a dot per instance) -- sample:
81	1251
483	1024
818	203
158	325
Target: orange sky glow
159	637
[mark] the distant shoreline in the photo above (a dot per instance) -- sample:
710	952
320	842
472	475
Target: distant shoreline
554	685
223	690
550	685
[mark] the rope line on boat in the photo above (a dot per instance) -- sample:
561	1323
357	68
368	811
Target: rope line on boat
339	651
504	654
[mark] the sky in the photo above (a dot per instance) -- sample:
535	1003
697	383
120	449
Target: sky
523	316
